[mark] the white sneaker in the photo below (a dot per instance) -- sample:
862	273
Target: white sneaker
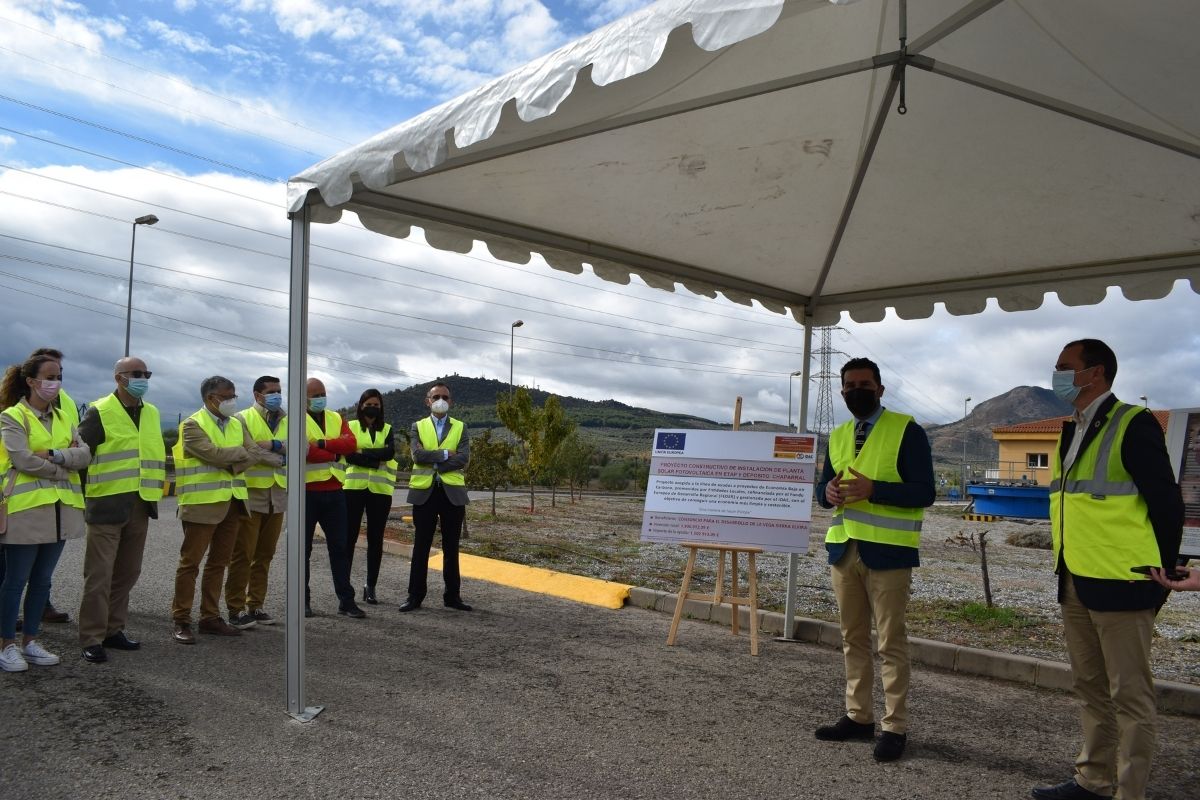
36	654
11	660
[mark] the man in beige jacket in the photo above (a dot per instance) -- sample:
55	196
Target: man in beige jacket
213	451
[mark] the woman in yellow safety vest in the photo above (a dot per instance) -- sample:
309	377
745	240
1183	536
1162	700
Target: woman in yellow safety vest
41	459
370	481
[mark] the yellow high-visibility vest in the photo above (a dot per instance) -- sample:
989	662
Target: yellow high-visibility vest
422	474
263	476
197	482
130	459
30	491
1110	529
317	473
382	479
864	520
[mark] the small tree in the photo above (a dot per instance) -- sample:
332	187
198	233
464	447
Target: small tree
573	462
539	430
489	467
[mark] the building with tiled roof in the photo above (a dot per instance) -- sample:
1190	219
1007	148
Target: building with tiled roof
1025	448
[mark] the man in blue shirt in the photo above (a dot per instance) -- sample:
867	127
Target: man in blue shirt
878	478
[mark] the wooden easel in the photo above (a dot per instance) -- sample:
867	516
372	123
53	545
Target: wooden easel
718	596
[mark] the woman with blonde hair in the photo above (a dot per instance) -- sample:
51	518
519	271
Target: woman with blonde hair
42	457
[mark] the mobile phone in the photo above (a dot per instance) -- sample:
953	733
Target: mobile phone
1172	574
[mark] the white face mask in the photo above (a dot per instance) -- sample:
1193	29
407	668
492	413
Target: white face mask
228	407
440	406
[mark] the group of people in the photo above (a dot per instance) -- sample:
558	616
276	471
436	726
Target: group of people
102	477
1115	505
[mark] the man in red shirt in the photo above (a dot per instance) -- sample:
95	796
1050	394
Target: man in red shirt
329	437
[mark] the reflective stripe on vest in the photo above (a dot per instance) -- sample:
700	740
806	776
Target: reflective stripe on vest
29	491
319	473
263	476
864	520
1109	522
382	479
130	459
200	483
422	474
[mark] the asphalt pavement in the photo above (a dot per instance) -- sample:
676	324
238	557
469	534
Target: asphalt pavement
525	697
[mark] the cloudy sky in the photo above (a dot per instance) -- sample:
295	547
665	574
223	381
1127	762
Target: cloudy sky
198	111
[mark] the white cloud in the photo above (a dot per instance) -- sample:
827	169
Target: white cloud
184	6
6	141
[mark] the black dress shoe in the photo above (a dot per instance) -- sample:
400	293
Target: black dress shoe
458	605
52	614
94	653
845	729
409	605
1070	790
308	612
890	746
119	641
369	595
352	611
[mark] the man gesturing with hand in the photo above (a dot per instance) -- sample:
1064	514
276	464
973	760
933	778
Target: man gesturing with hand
878	479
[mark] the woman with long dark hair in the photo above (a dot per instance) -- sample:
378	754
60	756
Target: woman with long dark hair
40	466
370	481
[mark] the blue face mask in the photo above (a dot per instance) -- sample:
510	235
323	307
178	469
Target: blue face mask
317	403
273	401
1063	384
137	386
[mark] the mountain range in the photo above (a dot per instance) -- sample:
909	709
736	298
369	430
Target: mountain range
624	430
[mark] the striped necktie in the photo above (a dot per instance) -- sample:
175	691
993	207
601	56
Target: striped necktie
860	435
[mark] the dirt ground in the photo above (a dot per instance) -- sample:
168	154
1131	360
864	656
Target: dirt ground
599	536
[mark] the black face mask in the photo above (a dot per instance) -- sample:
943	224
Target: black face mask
861	402
369	412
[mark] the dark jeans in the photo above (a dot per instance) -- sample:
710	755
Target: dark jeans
32	565
425	520
328	509
376	507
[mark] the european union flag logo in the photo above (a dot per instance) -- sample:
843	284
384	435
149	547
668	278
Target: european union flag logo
670	441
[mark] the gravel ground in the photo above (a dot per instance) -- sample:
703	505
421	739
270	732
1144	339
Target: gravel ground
598	536
527	696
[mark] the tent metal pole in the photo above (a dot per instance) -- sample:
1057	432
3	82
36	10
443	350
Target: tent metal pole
789	604
950	24
1053	104
297	447
860	175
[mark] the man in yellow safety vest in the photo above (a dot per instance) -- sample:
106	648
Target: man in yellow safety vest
211	456
878	478
437	489
1114	506
124	484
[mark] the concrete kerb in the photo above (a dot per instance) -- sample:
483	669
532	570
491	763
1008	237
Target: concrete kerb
1173	697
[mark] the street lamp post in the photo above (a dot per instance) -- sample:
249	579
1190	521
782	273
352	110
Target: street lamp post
512	345
790	377
1145	400
964	458
149	219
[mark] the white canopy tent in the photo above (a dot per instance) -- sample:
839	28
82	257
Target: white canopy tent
749	147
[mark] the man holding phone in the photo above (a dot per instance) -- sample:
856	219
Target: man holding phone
1114	506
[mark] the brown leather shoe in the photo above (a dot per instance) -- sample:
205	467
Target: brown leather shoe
183	633
52	614
218	627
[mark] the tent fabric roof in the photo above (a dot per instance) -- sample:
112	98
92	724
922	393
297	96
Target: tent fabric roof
1048	145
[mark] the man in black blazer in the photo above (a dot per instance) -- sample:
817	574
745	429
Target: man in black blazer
1114	505
437	489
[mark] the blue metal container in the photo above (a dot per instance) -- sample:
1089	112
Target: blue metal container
1032	502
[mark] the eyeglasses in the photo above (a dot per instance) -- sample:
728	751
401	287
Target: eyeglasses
137	373
439	397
